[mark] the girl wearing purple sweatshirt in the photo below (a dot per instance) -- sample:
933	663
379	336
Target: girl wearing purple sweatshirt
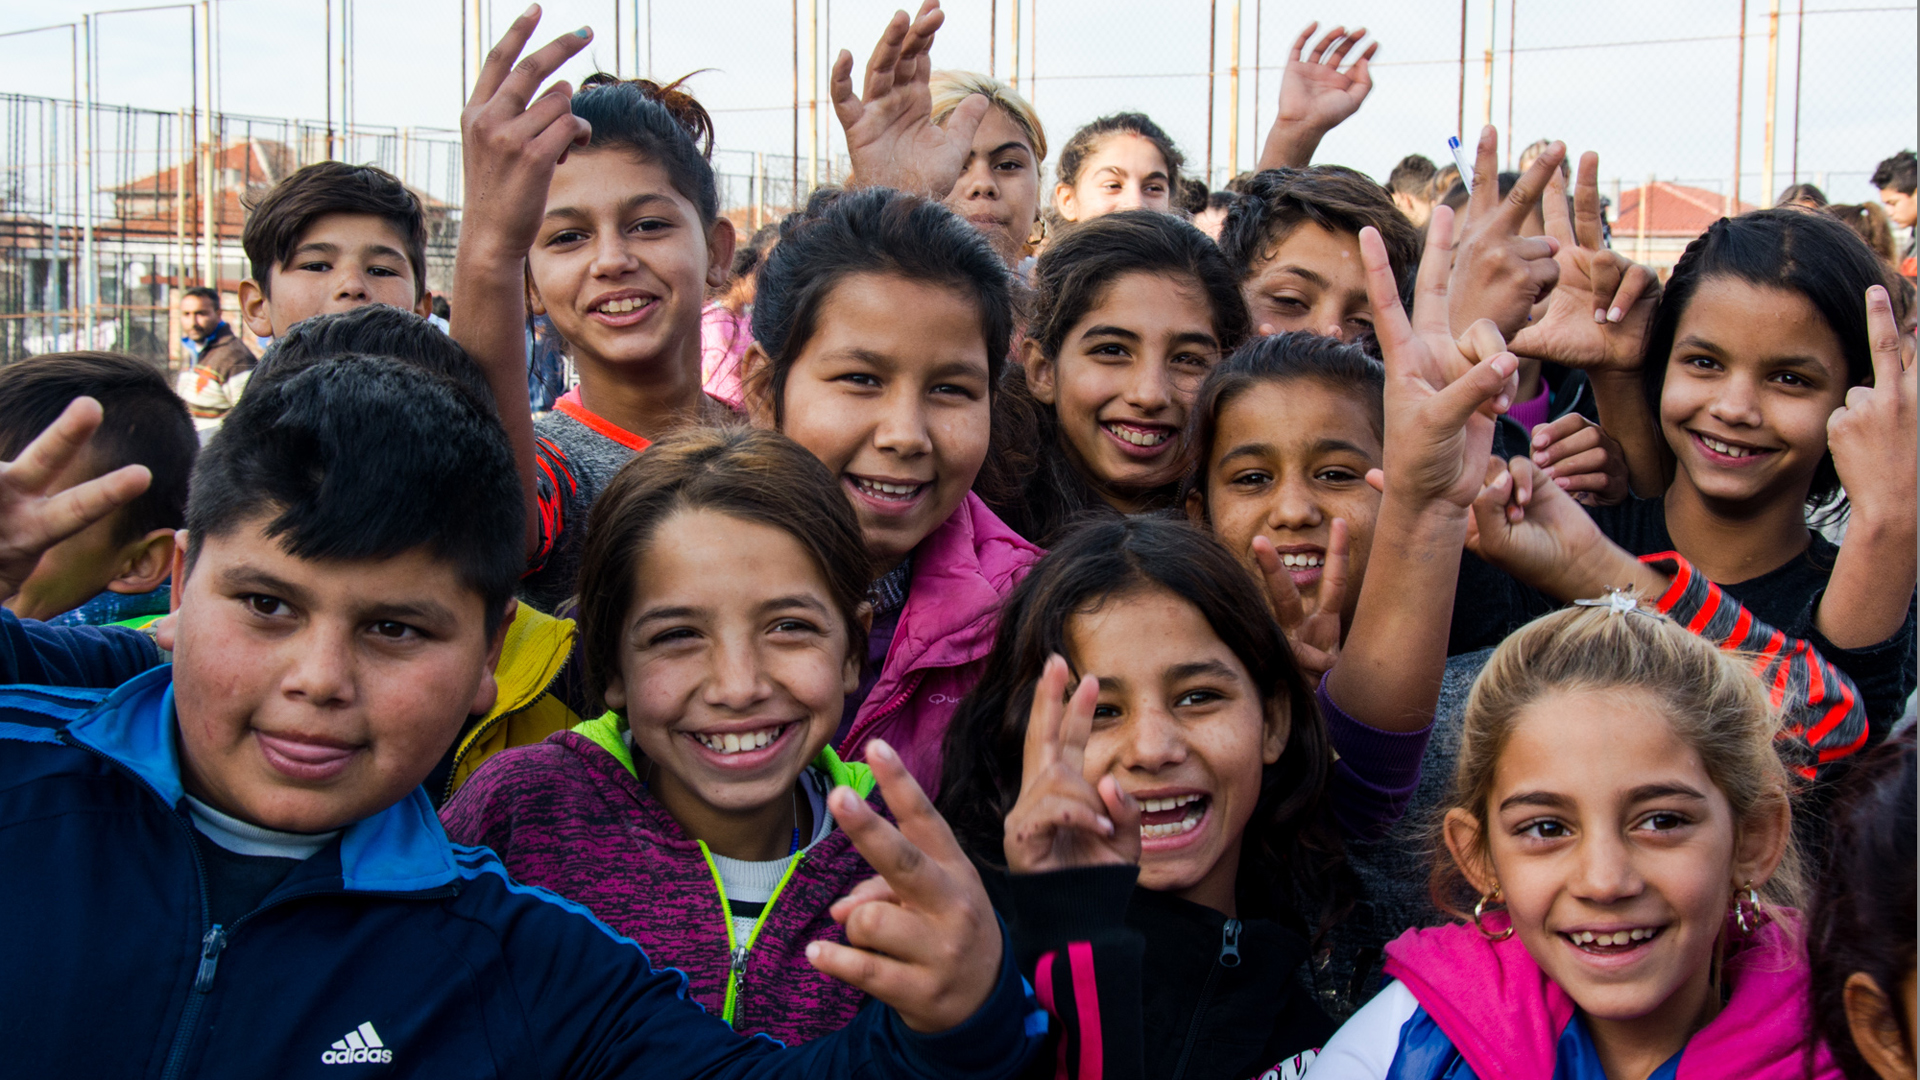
722	622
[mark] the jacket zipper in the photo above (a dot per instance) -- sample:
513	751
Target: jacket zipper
858	731
737	953
1228	957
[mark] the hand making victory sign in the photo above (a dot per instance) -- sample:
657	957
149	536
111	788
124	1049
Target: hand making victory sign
891	137
922	936
1313	635
1060	821
1498	274
31	521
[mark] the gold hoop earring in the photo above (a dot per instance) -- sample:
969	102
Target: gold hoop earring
1480	909
1746	909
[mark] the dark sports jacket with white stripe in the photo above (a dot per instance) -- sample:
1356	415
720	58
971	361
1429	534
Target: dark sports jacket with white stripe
109	966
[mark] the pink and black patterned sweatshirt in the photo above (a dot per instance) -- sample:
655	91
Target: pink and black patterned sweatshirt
570	815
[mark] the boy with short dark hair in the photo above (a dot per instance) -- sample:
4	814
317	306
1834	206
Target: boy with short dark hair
116	569
333	237
356	535
1409	184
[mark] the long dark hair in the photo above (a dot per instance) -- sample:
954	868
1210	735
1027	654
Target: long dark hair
1290	852
1787	249
1050	491
1862	913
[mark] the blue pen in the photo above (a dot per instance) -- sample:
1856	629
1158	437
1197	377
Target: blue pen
1460	160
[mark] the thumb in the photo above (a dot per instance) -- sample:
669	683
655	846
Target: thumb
966	119
1483	384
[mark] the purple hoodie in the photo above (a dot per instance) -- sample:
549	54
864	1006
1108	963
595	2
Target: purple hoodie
961	571
570	816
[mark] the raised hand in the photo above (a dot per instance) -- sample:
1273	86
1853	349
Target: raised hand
1872	435
1598	313
1527	526
1499	274
891	137
923	937
1313	635
511	140
31	520
1442	393
1582	460
1315	95
1061	821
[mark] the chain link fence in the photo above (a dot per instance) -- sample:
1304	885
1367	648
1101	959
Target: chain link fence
101	223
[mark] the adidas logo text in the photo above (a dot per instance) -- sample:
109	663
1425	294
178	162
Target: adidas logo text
361	1046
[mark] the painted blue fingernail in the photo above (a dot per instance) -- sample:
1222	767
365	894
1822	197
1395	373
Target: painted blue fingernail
584	32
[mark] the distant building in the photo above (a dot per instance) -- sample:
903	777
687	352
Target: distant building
1674	215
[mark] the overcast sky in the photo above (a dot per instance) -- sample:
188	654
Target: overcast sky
1650	108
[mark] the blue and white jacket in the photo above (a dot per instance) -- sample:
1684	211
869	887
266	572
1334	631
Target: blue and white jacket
390	951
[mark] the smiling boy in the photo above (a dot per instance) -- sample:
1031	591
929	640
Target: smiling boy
356	537
333	237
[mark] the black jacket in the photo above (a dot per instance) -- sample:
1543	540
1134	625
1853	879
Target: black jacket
1182	992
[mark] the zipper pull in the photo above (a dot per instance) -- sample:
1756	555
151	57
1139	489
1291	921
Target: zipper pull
210	946
1230	944
739	966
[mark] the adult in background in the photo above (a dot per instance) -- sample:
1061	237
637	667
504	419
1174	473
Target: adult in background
218	364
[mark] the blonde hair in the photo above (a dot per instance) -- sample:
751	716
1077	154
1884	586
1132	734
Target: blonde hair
1712	698
950	88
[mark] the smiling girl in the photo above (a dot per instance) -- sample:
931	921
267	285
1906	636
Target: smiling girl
880	332
1129	313
615	238
722	622
1622	820
1119	162
1773	372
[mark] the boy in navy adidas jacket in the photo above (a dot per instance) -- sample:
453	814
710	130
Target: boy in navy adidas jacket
226	867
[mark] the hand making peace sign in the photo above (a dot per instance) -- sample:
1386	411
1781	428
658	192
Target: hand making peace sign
1061	821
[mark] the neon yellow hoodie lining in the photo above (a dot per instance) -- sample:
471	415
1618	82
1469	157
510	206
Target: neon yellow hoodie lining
605	732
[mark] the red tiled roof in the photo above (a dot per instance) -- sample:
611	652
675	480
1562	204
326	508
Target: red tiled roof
1672	210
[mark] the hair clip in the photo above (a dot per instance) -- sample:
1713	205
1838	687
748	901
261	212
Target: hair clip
1619	602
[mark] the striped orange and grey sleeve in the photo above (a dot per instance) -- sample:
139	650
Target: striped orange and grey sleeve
1823	718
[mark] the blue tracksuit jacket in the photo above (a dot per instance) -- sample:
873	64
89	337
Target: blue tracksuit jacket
391	952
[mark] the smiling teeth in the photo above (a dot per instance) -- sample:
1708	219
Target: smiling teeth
621	307
1196	809
739	742
1728	449
1618	937
1299	562
1155	806
894	492
1140	438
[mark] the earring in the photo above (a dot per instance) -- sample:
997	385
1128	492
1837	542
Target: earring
1480	909
1746	909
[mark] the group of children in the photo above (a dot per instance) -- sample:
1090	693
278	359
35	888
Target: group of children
990	640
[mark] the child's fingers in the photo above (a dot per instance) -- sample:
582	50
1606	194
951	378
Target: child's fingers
922	845
1586	202
1333	570
874	890
1300	43
1390	324
83	504
1586	461
840	90
1281	592
1124	811
1558	430
1554	212
1484	196
500	58
1430	280
1077	724
875	975
1377	480
1045	718
53	449
1060	812
1532	184
1326	42
521	84
1347	42
886	56
1883	334
1485	384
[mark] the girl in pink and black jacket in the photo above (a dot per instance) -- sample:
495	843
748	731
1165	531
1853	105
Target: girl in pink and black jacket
881	328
